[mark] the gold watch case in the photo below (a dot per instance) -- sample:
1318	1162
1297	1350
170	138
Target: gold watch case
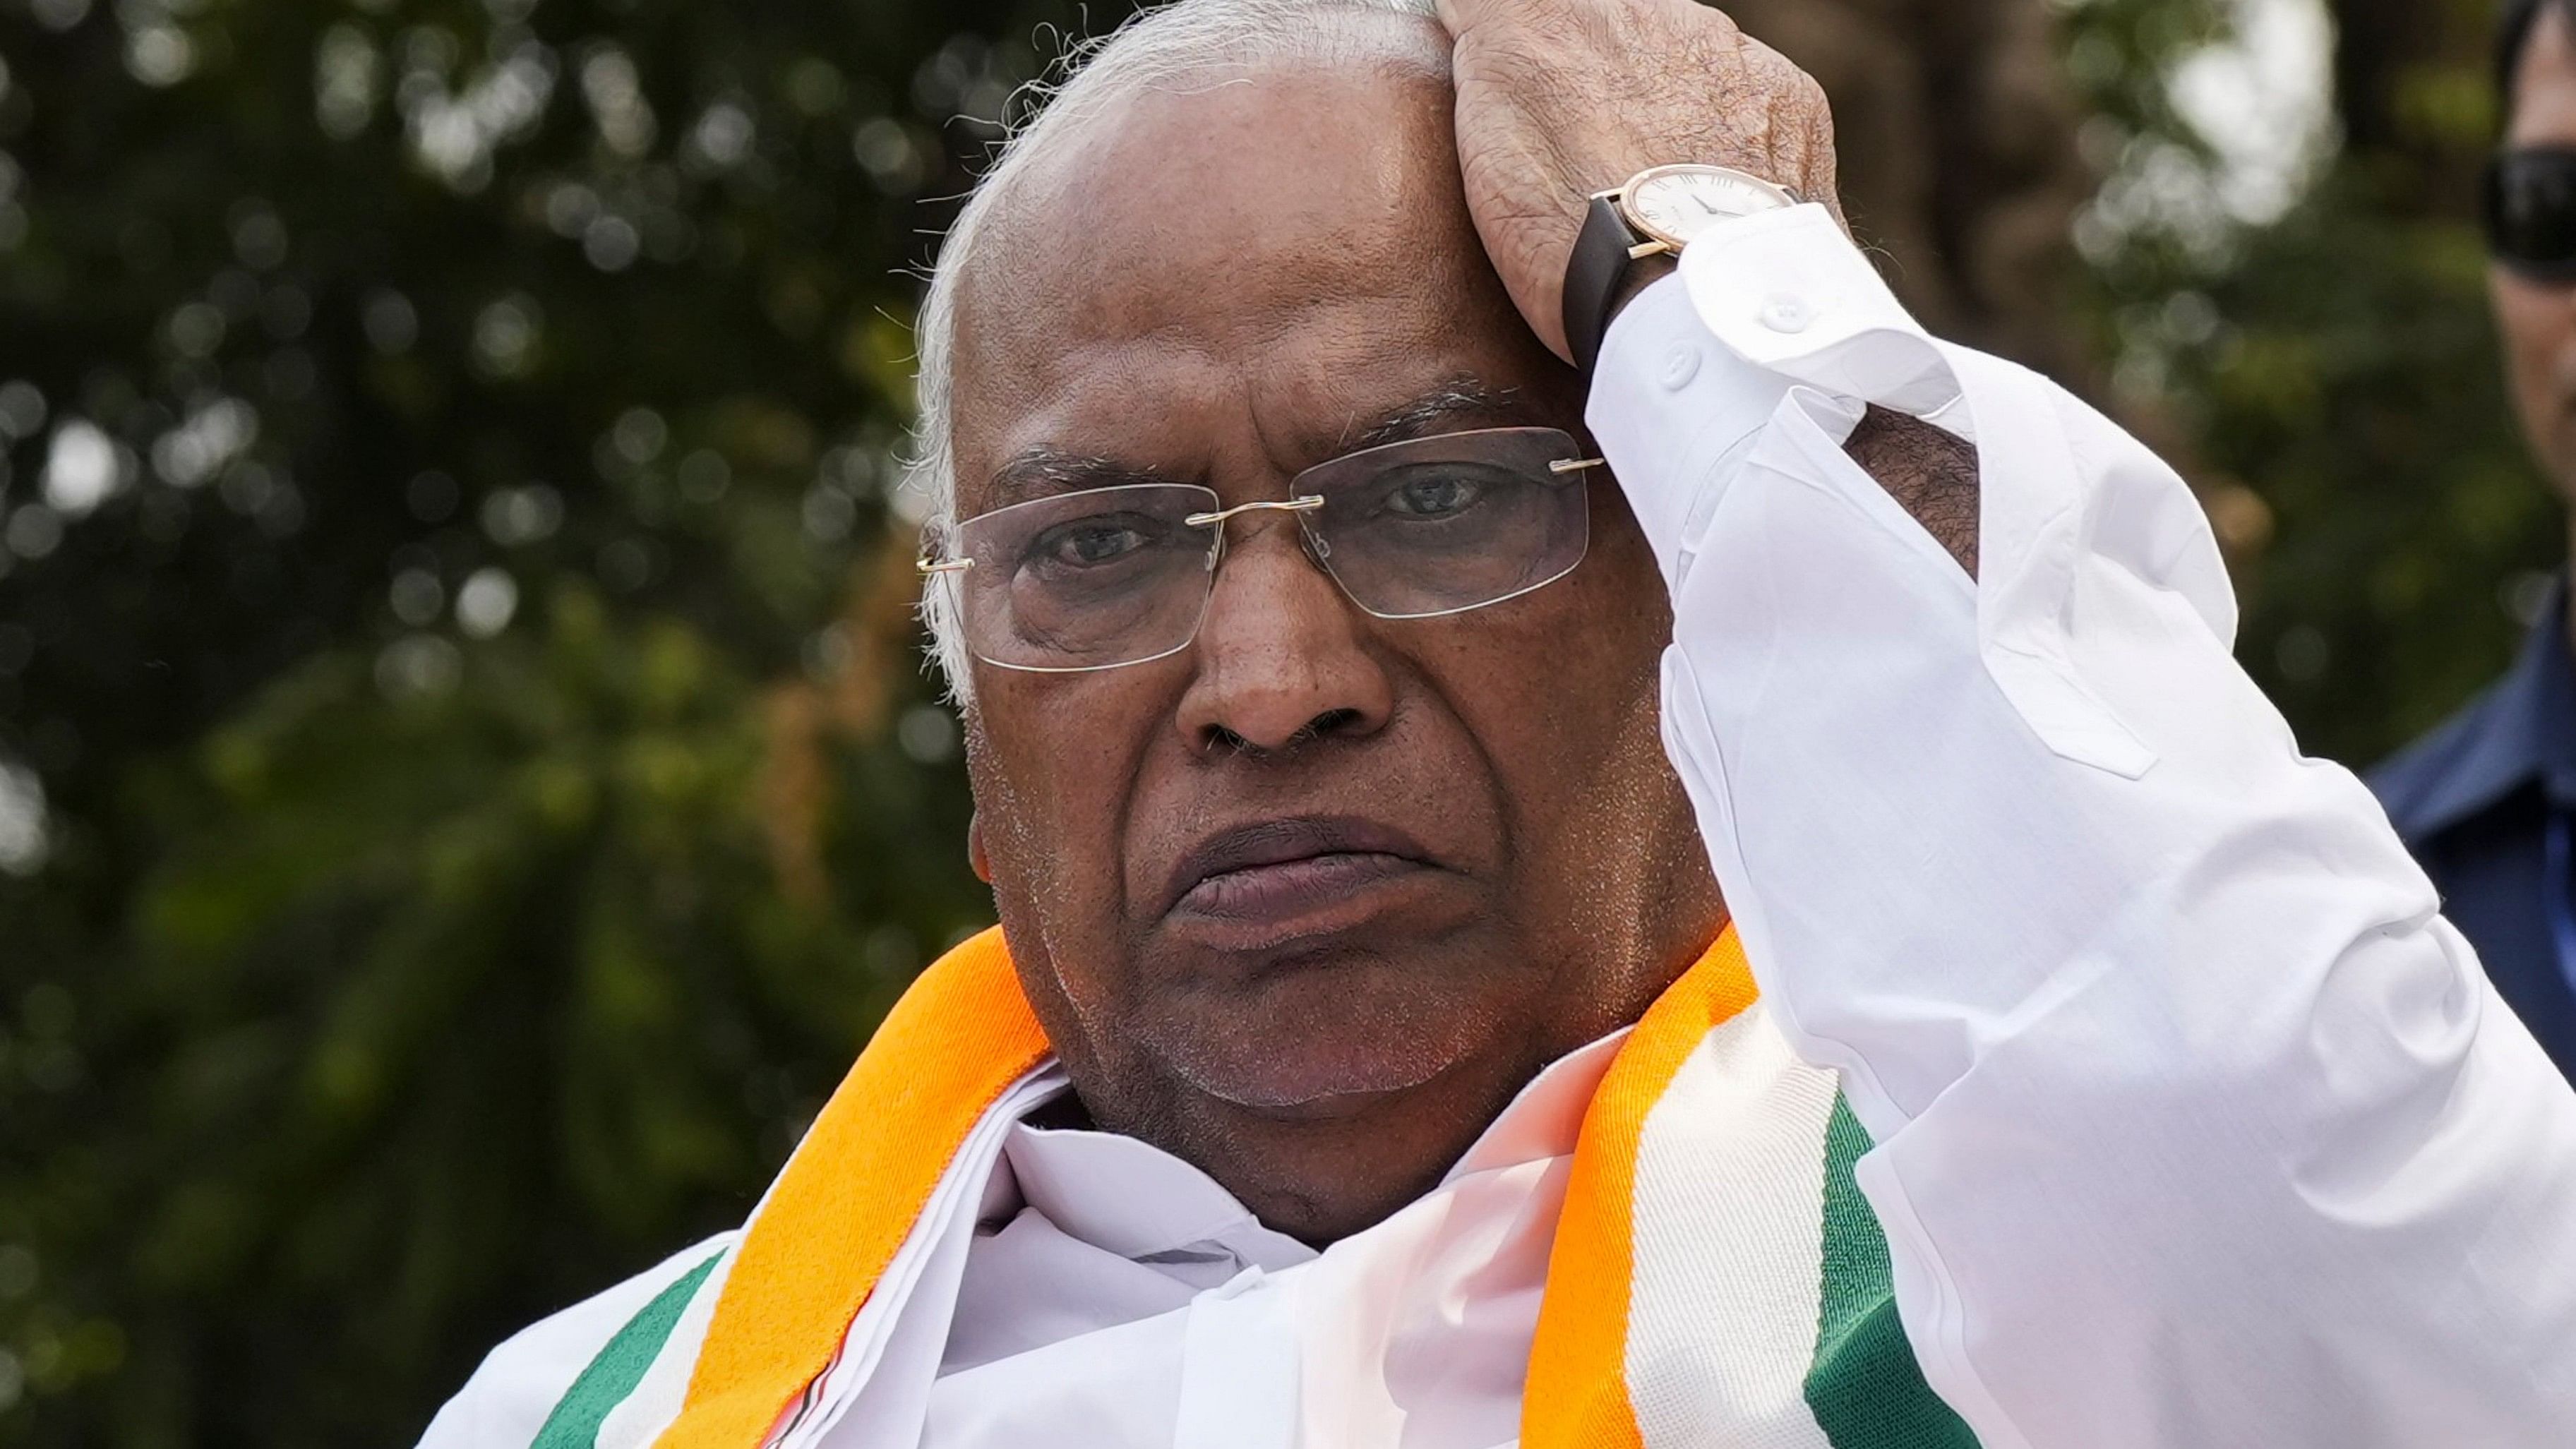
1669	205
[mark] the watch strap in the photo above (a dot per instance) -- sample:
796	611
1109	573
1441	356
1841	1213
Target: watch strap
1592	277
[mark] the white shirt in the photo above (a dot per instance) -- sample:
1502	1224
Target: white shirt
2197	1126
1115	1295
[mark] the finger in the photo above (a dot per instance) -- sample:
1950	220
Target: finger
1822	164
1798	120
1711	19
1563	16
1460	15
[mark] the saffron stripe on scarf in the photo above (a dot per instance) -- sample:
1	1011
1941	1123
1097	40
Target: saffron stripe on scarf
1576	1396
851	1194
619	1366
1865	1388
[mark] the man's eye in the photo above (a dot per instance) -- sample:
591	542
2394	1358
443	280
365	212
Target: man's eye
1437	495
1090	542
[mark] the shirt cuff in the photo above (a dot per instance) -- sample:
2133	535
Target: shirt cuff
1787	290
1668	406
1696	365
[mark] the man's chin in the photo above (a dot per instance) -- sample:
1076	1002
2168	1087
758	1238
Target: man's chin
1299	1085
1326	1041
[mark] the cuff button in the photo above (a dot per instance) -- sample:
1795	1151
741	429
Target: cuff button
1784	313
1681	364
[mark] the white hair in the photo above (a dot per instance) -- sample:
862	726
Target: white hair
1153	49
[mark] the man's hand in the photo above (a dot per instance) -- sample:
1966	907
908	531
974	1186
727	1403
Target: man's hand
1558	99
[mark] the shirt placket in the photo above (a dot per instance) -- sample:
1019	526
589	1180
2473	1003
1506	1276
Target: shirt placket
1240	1364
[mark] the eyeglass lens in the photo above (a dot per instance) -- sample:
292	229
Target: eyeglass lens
1416	529
2530	212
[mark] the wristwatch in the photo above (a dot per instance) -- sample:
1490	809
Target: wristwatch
1658	211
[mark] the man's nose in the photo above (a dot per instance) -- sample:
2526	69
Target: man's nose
1280	657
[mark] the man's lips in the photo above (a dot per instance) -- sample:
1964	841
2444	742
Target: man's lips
1277	870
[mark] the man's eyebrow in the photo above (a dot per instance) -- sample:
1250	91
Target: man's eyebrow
1043	472
1460	399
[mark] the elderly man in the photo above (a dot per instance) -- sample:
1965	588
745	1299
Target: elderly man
1800	935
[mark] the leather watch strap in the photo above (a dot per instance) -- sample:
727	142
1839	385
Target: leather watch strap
1592	277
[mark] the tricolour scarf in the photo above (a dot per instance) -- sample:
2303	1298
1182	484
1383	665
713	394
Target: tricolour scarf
1716	1278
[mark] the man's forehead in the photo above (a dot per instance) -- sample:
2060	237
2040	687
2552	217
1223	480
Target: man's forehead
1218	174
1174	257
1177	110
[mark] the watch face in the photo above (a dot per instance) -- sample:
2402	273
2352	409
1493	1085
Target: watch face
1673	204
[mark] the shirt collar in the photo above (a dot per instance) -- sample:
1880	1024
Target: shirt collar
1131	1198
2522	731
1126	1196
1546	1117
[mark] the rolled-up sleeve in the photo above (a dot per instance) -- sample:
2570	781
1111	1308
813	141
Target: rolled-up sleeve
2196	1124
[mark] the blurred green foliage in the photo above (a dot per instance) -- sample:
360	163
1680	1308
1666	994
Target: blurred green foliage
488	793
2328	376
2354	387
452	615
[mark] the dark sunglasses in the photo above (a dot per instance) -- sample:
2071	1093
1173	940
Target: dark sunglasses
2529	206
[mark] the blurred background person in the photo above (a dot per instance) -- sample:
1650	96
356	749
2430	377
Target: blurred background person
467	782
2488	800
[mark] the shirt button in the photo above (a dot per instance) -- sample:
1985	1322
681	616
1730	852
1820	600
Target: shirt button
1680	366
1784	313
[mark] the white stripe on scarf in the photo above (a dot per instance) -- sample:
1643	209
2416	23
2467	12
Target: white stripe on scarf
1728	1244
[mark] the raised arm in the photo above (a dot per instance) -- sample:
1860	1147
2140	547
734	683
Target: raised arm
2196	1124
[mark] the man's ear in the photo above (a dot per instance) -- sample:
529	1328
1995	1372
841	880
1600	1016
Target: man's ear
975	855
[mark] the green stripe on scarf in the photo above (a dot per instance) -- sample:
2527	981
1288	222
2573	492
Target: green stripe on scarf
1865	1388
619	1367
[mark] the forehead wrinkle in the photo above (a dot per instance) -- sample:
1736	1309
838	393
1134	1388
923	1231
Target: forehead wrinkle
1456	399
1410	357
1043	470
1025	404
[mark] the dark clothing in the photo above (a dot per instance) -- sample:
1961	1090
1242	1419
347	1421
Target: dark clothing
2478	801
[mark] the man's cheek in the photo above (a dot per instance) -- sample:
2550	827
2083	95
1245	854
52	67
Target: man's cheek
1052	849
